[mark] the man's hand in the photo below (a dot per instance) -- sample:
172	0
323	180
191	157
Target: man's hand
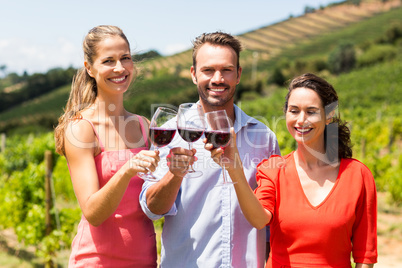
179	160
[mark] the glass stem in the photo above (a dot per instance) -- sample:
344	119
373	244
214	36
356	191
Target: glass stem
191	168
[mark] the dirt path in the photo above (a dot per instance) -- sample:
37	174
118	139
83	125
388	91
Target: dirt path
389	229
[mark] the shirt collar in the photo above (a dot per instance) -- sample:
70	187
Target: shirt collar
242	119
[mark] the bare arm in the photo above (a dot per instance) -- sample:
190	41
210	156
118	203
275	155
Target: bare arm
97	204
252	209
249	204
162	195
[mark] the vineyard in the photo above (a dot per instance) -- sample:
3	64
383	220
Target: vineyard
369	90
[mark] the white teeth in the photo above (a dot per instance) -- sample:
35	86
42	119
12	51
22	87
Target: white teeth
303	130
118	79
217	89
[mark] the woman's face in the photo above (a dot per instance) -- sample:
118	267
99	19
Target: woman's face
305	118
112	66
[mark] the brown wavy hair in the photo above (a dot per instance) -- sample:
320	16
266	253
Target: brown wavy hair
83	88
336	134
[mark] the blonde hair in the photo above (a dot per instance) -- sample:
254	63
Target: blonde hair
83	88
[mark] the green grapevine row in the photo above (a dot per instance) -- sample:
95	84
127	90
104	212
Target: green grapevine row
22	194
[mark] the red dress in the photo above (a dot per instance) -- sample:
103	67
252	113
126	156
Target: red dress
303	235
127	238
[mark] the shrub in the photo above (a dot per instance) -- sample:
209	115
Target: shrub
318	65
376	54
342	59
392	34
277	77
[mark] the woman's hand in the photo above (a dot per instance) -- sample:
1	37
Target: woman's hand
228	156
249	204
143	161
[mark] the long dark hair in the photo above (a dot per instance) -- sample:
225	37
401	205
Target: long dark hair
337	133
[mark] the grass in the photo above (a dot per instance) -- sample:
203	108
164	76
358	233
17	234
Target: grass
46	105
9	261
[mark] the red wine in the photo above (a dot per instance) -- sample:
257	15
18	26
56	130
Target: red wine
218	138
161	136
190	135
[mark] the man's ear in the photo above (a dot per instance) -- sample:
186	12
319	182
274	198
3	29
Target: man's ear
239	71
88	68
192	70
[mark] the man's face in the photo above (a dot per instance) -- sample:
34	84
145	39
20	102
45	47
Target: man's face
216	76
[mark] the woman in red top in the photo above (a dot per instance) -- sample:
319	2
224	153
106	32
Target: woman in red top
320	202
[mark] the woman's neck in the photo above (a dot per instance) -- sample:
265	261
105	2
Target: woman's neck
310	157
110	107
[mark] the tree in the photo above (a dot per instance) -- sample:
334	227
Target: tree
277	77
146	55
356	2
3	69
309	9
393	33
342	59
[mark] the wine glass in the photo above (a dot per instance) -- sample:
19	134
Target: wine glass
159	134
191	126
218	134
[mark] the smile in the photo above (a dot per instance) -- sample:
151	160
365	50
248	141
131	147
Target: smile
303	130
217	89
119	79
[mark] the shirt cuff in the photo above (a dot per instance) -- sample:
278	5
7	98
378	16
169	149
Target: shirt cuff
144	206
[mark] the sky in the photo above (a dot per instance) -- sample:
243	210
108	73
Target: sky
37	35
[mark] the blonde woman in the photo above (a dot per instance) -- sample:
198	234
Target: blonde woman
105	147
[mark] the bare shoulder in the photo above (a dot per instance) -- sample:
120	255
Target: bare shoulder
146	123
80	136
146	120
136	117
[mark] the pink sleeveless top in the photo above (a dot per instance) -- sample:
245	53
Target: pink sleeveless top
126	238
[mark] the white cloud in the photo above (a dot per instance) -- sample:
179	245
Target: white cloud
21	55
175	48
4	44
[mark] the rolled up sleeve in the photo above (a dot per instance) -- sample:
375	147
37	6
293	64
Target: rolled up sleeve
144	206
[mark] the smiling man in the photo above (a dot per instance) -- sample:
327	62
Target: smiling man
204	225
216	73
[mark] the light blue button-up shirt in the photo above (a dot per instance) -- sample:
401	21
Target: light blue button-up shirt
206	227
